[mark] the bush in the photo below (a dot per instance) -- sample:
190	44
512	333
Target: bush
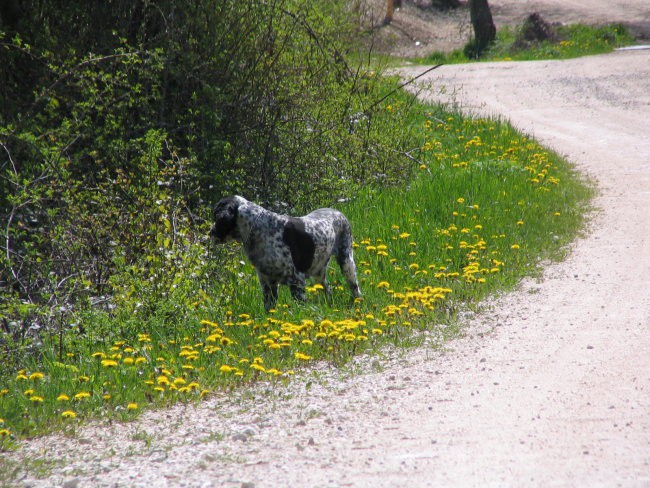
115	141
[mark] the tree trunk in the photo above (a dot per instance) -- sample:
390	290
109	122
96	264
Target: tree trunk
484	30
390	9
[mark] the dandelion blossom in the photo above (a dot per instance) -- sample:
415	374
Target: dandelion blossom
69	414
63	397
132	406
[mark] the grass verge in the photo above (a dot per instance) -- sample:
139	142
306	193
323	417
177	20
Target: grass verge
572	41
486	204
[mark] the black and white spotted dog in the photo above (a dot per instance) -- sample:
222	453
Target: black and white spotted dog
286	250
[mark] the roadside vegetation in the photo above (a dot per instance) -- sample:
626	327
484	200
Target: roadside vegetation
569	41
113	299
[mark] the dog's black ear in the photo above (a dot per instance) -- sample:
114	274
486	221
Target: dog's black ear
225	215
300	243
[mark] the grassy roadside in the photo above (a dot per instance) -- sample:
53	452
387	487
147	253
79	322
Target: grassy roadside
572	41
484	206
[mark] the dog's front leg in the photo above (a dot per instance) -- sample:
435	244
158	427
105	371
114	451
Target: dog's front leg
297	287
270	291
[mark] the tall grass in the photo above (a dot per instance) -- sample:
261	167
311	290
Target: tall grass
485	205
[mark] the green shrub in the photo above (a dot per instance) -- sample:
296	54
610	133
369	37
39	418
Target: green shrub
116	141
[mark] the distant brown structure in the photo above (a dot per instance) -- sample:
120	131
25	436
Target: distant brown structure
534	30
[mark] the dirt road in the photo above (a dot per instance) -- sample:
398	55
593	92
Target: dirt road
551	387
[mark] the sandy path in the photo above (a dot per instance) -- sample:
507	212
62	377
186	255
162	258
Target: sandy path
550	388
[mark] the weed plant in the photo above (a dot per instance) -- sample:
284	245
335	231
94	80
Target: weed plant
484	206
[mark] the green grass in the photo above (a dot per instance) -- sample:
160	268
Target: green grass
486	204
574	41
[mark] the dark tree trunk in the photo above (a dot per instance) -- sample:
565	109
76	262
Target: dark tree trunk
390	8
484	30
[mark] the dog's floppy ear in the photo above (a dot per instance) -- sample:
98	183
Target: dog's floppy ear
300	243
225	215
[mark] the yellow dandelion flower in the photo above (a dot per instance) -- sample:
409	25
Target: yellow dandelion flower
214	338
132	406
28	392
63	397
81	395
36	376
68	414
5	433
36	399
303	357
258	367
109	363
226	369
514	246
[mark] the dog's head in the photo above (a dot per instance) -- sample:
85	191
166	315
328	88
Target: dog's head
224	216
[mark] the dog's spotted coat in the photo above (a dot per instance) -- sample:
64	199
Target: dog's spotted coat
286	250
